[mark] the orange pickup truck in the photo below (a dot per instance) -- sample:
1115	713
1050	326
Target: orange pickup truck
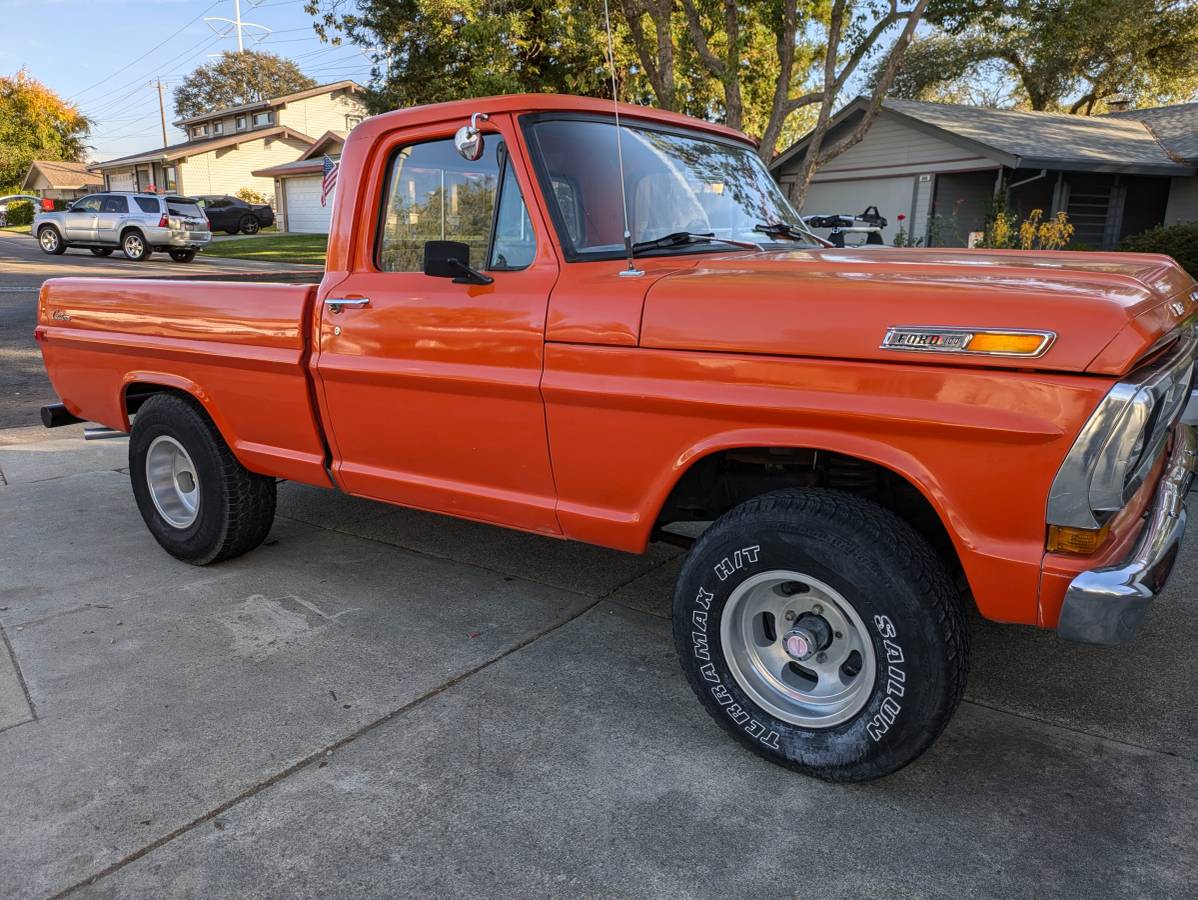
865	440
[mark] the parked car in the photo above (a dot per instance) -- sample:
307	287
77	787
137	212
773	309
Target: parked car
137	224
232	214
12	199
867	441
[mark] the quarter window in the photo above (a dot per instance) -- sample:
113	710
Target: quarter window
147	204
433	194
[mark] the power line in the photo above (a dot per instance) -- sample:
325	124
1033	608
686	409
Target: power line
144	55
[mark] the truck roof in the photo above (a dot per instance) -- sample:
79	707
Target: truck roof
527	103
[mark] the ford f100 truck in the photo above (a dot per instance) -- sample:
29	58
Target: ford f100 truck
617	330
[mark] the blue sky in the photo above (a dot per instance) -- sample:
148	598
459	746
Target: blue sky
85	50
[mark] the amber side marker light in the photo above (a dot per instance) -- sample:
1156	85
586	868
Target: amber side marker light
1001	342
1067	539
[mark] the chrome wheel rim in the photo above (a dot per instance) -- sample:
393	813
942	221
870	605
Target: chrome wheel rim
770	620
251	226
133	245
49	239
174	485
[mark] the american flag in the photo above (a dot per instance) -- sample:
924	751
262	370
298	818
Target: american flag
329	182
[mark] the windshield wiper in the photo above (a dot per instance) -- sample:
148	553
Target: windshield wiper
782	229
682	238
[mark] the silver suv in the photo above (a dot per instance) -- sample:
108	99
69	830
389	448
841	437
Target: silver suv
138	224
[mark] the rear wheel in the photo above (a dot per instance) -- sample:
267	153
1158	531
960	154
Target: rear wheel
823	633
183	256
134	245
249	225
51	241
102	251
198	501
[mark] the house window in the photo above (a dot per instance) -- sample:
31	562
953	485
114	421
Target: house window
352	122
170	178
241	123
200	131
218	127
264	118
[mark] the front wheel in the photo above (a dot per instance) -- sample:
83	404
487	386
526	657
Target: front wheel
823	633
250	225
198	501
51	241
135	247
183	256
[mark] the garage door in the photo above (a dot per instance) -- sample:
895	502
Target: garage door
892	197
122	182
304	212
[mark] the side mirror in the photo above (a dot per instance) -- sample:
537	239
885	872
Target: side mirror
451	259
469	139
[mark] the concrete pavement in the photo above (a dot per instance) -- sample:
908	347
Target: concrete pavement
383	702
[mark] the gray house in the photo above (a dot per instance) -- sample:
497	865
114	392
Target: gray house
943	167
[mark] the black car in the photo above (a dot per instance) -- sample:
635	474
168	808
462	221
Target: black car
232	214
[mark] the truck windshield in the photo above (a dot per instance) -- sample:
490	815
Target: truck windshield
673	183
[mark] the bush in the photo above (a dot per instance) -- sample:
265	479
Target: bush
20	213
249	195
1179	241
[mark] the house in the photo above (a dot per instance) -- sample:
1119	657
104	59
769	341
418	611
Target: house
225	147
298	186
943	168
54	180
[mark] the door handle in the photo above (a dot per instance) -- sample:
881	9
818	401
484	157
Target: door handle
336	304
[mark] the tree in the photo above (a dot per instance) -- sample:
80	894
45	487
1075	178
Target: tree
35	123
1058	55
237	78
763	66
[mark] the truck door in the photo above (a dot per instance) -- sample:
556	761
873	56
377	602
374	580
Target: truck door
431	388
79	221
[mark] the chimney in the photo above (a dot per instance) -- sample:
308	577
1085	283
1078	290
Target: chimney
1118	104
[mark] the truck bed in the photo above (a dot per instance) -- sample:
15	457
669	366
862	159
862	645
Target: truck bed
241	349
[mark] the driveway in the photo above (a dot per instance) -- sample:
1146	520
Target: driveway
382	702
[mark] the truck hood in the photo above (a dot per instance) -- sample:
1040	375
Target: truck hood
1106	309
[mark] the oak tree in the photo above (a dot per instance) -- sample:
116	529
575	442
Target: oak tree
236	78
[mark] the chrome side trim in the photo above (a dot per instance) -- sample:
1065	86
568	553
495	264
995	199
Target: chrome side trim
1106	605
957	338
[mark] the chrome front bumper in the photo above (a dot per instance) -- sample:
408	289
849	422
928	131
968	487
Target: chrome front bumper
1105	606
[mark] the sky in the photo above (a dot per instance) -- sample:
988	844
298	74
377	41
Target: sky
88	52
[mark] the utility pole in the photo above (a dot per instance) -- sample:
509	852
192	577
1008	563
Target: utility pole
162	112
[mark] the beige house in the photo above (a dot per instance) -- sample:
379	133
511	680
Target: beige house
298	187
60	180
226	147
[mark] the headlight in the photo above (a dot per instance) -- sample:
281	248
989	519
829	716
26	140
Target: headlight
1122	441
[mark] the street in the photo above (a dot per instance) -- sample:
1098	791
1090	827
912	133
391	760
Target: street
384	702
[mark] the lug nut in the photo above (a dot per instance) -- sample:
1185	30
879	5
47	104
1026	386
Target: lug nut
839	635
821	657
790	615
817	609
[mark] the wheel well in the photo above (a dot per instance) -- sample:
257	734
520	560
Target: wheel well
716	483
46	225
128	228
138	392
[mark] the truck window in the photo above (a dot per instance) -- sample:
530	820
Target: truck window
112	204
433	194
513	245
147	204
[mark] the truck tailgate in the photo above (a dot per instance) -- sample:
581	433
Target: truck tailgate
239	348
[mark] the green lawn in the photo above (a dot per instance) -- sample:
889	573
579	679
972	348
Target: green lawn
15	229
296	248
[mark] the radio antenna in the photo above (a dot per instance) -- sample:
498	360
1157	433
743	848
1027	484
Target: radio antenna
632	270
